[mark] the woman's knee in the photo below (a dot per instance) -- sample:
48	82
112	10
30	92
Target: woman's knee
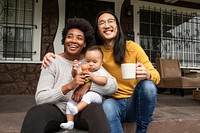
32	114
93	110
38	117
32	123
38	113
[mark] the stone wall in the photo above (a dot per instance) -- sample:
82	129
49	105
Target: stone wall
19	78
50	20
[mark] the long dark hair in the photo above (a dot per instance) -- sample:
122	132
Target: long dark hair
120	43
83	25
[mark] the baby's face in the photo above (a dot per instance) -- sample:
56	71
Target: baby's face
93	60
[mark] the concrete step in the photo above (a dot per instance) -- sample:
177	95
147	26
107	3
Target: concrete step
173	114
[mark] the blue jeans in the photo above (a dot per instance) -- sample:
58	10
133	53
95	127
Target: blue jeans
139	108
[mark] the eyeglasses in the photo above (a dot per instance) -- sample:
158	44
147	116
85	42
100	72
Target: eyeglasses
110	22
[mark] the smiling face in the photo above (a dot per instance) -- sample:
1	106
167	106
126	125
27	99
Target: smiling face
74	42
107	27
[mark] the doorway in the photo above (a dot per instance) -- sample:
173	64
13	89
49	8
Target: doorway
86	9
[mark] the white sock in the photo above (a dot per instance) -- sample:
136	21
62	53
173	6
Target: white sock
73	109
68	125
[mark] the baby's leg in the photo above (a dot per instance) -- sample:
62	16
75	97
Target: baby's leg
75	109
92	96
87	99
69	125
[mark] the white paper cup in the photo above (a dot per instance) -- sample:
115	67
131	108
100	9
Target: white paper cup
128	70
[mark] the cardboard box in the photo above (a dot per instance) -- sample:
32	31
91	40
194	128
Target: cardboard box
196	94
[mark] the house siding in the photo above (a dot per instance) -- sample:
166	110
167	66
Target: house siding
22	78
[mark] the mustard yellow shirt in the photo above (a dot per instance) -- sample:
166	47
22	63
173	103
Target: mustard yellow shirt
133	54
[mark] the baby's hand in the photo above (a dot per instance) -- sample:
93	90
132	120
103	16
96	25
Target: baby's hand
90	75
87	76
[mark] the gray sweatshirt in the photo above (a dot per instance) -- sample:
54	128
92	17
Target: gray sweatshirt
57	74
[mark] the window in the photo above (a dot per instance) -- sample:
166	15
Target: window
150	31
16	26
170	34
181	38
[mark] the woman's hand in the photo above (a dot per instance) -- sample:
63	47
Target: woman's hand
80	91
141	72
47	59
78	80
75	68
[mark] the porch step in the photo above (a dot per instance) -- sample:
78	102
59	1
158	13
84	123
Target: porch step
173	114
